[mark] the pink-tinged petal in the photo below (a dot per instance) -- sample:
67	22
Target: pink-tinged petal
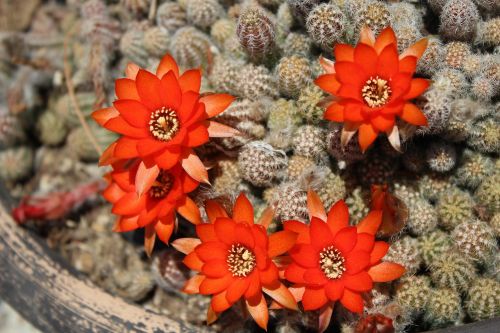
168	158
192	285
190	211
266	217
327	65
344	52
126	89
359	282
134	112
126	148
216	103
131	71
218	130
388	62
345	240
335	112
282	295
314	298
379	251
190	80
315	206
186	245
325	316
334	289
328	83
171	95
370	223
338	217
258	311
243	210
366	57
352	301
212	316
148	87
386	37
417	88
366	36
102	116
195	168
167	64
149	239
386	271
214	210
415	50
145	177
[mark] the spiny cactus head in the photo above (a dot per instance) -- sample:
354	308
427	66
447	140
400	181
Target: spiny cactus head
222	30
293	75
326	25
51	128
302	8
260	164
483	88
475	240
171	16
17	164
413	293
190	47
203	13
156	41
405	252
489	32
432	59
474	168
375	15
452	270
307	103
296	44
132	46
487	194
443	308
423	217
256	31
291	203
485	136
433	245
459	19
441	156
483	299
454	207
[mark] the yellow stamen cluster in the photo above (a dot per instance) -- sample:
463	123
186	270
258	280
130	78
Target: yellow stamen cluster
162	185
331	262
164	124
376	92
240	260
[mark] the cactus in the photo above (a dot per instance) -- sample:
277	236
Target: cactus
190	47
471	65
413	293
474	169
256	32
260	164
454	207
331	189
423	216
11	131
65	109
405	252
283	114
489	32
309	141
132	46
459	19
229	180
475	240
17	164
433	57
375	15
255	82
433	185
293	75
156	41
441	156
171	16
203	13
378	171
407	35
291	203
483	88
433	245
485	136
307	103
435	103
488	193
222	30
412	159
298	165
483	299
452	270
344	155
457	80
296	44
302	8
443	308
495	224
137	7
326	25
79	143
455	54
52	130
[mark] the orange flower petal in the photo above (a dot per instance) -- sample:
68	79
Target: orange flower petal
417	87
383	123
269	276
121	126
237	289
328	83
295	273
335	112
216	103
353	112
188	108
190	211
168	158
320	234
193	261
315	277
305	255
412	114
149	239
129	204
355	261
315	206
344	52
345	73
134	112
366	136
225	230
266	217
167	64
338	217
214	210
206	232
352	301
243	210
345	240
358	282
254	288
164	228
192	285
366	57
258	311
211	315
314	298
415	50
365	242
385	38
197	135
148	87
370	223
170	92
126	148
185	245
190	80
334	289
148	146
219	302
104	115
211	251
195	168
366	36
218	130
244	236
386	271
388	62
126	224
408	64
126	89
131	71
280	242
214	286
379	251
108	156
282	295
215	269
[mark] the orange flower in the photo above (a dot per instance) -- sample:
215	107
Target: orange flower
372	86
333	261
150	199
162	117
234	258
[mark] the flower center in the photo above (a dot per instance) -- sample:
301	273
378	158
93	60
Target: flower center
164	124
241	261
162	185
331	262
376	92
